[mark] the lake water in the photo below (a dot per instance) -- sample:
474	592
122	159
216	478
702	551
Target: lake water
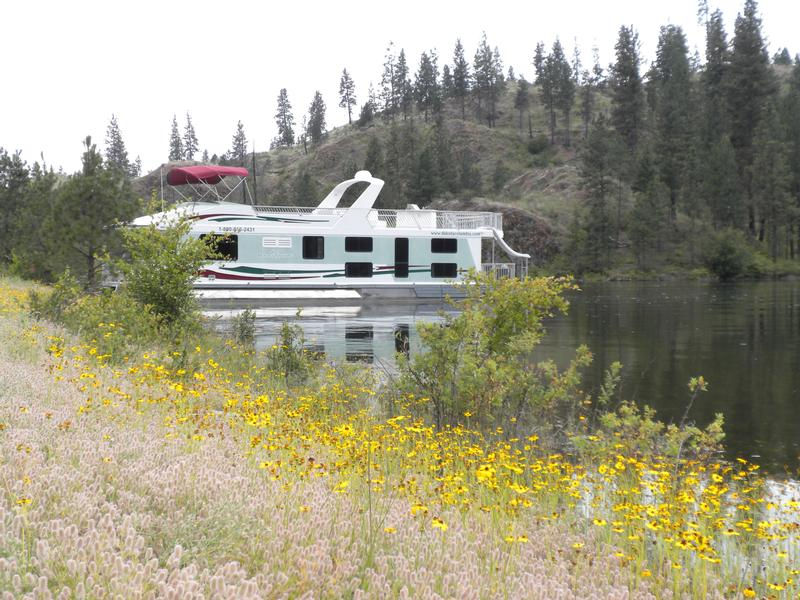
744	338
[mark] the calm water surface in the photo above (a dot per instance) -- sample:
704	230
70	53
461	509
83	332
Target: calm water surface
744	338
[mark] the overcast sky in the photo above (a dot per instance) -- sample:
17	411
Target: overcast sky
67	66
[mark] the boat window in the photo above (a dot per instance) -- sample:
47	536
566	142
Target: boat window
444	270
358	244
221	247
313	247
358	269
444	245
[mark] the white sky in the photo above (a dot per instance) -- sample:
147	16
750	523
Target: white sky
67	66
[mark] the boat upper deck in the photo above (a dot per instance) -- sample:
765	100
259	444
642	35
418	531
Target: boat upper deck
409	218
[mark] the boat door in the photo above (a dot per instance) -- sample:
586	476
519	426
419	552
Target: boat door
401	258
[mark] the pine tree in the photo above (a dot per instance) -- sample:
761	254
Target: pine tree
374	159
713	79
426	85
422	179
447	178
347	94
720	185
673	118
136	167
771	179
389	94
547	79
538	63
239	145
596	176
284	120
749	85
461	76
116	154
522	99
782	57
626	88
14	176
564	86
88	204
598	74
447	82
587	98
304	189
316	119
488	69
205	157
647	220
190	145
175	142
402	85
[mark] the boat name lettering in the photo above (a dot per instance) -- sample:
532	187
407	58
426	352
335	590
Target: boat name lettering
455	233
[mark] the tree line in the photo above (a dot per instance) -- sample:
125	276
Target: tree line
667	153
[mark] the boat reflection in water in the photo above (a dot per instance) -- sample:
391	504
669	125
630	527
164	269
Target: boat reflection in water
369	334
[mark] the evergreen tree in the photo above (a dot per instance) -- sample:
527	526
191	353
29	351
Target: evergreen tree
422	181
713	78
596	176
316	119
447	82
771	180
136	167
468	172
116	154
461	76
488	69
587	98
782	58
522	99
720	185
14	175
547	79
205	157
374	159
750	83
347	94
304	189
190	145
238	145
673	118
389	94
446	175
426	84
647	220
37	244
564	86
284	119
402	85
393	169
598	74
88	204
175	142
539	63
626	88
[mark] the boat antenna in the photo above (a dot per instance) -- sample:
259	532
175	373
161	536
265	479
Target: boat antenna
255	179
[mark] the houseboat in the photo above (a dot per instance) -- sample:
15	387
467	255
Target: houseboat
331	250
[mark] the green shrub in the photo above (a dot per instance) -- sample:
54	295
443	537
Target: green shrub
727	254
288	358
244	328
160	271
538	144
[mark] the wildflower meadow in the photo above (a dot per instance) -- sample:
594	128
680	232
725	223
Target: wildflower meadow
200	472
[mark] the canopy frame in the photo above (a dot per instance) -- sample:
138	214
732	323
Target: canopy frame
203	191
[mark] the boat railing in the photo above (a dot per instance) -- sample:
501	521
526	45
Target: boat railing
402	218
436	219
501	270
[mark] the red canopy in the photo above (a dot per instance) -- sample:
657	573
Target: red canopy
202	174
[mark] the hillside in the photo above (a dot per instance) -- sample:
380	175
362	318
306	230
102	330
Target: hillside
537	191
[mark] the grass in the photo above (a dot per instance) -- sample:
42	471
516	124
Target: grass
139	477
